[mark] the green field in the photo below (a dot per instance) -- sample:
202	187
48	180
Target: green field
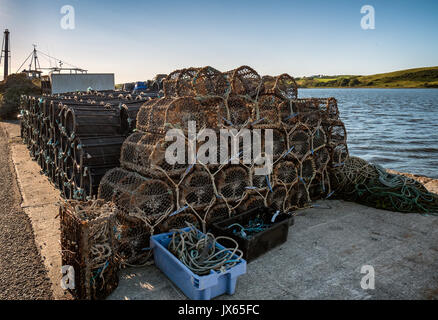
411	78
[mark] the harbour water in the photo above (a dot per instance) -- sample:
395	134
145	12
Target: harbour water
396	128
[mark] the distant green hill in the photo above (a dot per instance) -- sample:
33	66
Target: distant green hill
411	78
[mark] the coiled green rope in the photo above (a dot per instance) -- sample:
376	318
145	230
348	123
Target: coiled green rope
371	185
249	230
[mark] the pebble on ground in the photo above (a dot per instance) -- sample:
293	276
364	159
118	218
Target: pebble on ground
22	272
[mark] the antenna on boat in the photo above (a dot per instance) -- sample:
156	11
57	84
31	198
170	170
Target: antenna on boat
35	70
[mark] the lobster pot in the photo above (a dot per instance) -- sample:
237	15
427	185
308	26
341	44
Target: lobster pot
251	202
211	82
128	116
91	177
91	121
145	153
132	238
143	205
55	109
151	116
245	81
97	151
119	185
88	245
148	199
337	134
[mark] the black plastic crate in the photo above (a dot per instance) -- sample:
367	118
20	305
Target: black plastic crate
258	243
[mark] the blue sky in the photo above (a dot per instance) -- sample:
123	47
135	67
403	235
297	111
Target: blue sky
138	39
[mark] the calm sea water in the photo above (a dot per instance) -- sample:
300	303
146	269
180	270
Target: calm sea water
396	128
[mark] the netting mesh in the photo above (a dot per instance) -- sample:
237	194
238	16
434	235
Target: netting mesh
308	170
277	198
322	159
339	155
280	147
180	112
215	110
197	190
142	203
178	221
236	112
299	142
184	82
370	184
286	173
288	113
332	109
137	150
232	182
319	139
320	186
286	87
268	84
132	238
170	84
265	115
245	81
252	202
338	134
152	199
145	113
149	195
156	116
298	197
259	182
119	186
161	167
217	213
310	111
135	195
211	82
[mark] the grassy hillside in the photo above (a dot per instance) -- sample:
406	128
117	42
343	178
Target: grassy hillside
411	78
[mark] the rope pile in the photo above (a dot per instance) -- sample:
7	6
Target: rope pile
200	253
308	137
370	184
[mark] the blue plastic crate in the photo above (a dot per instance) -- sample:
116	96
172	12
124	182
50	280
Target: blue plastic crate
194	287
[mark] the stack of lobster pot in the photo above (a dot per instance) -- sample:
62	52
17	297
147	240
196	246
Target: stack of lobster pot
308	140
76	138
